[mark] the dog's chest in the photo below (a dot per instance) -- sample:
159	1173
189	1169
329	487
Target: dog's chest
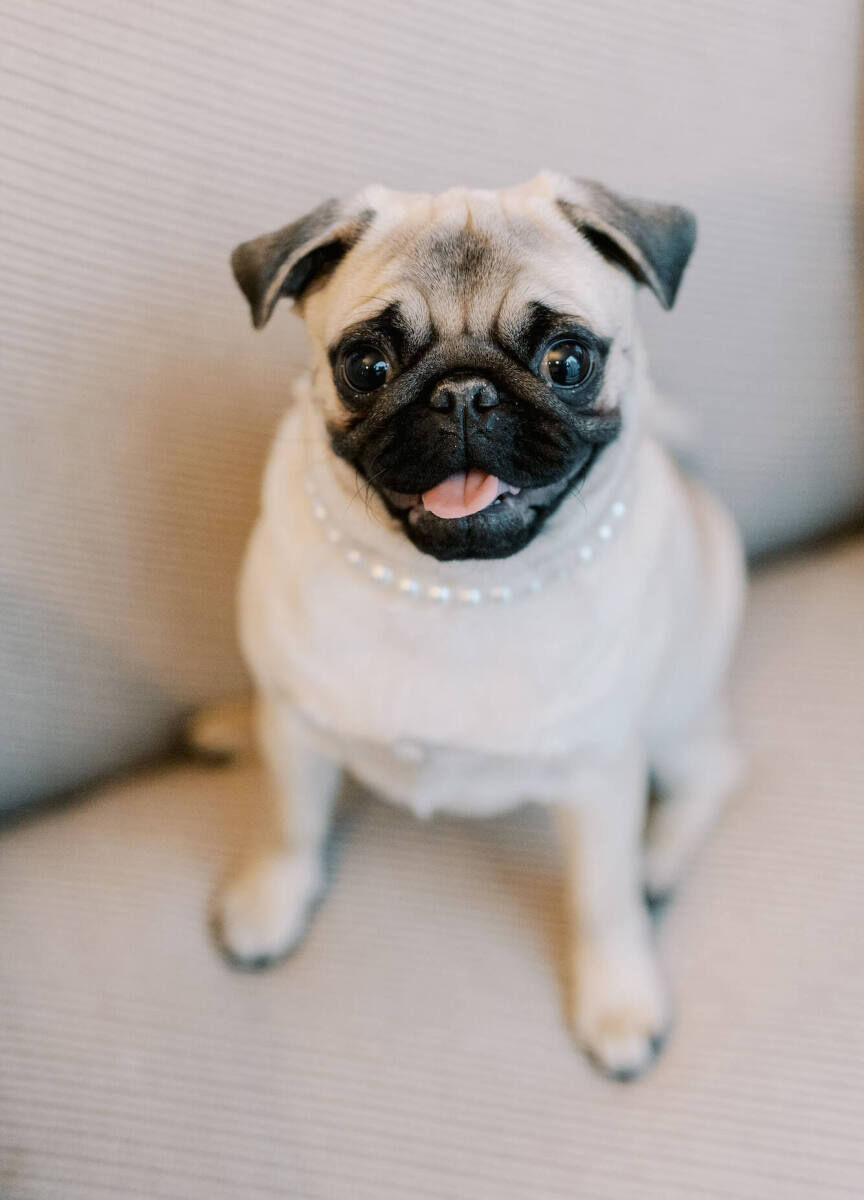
542	677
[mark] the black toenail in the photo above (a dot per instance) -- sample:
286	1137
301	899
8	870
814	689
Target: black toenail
657	903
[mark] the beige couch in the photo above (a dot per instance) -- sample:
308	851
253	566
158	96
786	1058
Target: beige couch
415	1045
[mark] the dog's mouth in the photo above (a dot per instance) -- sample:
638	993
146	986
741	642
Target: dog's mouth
461	495
474	514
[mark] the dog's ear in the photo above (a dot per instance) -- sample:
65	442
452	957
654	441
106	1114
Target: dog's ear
289	261
651	241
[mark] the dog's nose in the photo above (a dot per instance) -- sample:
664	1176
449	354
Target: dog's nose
471	392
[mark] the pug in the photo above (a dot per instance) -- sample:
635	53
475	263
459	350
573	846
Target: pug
477	578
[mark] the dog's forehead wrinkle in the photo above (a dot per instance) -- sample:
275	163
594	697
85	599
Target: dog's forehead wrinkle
404	303
416	314
463	273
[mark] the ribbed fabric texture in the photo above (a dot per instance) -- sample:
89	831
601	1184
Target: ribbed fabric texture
139	143
414	1045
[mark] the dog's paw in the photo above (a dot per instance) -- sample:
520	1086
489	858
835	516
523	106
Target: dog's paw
260	916
621	1015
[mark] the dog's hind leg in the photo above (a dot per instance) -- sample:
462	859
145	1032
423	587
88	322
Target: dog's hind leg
694	775
223	731
261	914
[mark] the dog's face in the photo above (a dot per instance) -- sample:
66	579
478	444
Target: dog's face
471	349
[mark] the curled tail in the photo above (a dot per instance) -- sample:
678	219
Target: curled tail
222	732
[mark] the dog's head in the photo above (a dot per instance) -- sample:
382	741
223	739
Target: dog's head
471	349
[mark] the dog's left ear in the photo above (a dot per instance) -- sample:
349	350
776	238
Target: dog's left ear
651	241
289	261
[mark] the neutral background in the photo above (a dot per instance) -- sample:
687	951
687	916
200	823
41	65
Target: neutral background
140	142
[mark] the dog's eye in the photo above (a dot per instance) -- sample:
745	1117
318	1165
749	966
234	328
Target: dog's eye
365	368
567	363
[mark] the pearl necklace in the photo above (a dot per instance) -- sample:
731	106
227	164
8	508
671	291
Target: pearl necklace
437	592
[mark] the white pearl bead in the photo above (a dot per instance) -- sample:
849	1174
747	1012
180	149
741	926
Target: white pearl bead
441	593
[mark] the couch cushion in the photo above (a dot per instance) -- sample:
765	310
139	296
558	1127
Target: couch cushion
139	147
414	1045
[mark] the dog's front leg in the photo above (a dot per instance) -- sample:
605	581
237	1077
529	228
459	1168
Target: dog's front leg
261	914
619	1006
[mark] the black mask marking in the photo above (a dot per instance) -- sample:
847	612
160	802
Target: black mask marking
534	437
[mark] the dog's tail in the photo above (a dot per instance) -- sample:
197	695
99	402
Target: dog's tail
221	732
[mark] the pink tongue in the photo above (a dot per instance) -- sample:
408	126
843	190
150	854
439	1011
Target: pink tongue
462	494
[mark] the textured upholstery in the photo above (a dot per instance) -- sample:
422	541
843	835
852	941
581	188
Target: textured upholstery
139	143
414	1046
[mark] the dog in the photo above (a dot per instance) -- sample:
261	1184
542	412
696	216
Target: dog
477	577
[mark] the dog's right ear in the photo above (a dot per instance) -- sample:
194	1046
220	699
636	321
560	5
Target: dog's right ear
289	261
